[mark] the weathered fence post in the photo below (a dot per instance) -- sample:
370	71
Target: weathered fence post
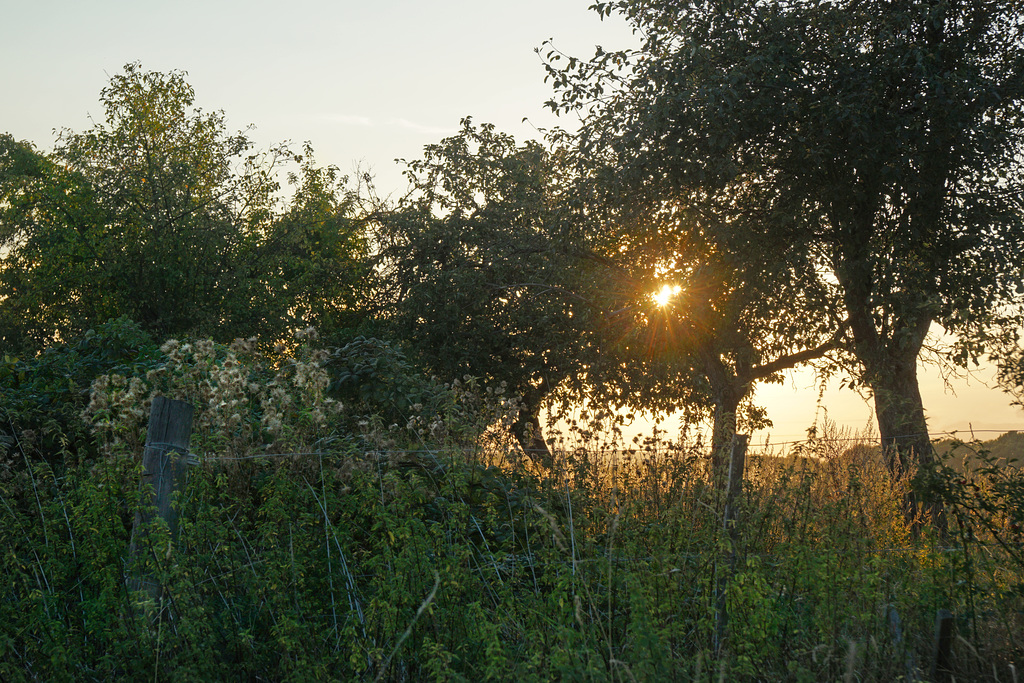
896	632
164	461
942	647
733	491
737	463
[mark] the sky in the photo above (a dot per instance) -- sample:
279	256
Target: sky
366	83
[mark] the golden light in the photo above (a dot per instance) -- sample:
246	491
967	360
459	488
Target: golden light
665	294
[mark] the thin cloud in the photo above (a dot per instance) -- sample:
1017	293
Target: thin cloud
350	120
420	128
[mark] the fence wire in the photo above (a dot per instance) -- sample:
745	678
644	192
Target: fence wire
666	448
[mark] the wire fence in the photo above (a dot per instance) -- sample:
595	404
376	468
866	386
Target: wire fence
933	435
664	447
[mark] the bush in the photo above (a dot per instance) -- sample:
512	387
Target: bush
41	398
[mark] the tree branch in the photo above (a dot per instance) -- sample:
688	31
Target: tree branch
792	360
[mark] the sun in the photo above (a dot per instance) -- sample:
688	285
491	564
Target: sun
664	296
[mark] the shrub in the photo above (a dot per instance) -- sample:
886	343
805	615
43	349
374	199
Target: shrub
41	398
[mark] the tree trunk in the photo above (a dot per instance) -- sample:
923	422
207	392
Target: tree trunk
890	370
727	402
903	429
727	390
530	435
888	354
900	413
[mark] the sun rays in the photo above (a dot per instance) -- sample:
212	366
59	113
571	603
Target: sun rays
663	297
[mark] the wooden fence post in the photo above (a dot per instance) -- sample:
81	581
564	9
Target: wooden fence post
737	463
896	633
942	647
733	491
164	461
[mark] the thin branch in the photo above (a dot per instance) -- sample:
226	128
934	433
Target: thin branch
792	360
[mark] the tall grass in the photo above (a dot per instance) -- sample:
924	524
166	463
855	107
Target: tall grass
354	550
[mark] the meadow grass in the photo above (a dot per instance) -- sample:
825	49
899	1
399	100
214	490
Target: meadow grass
323	554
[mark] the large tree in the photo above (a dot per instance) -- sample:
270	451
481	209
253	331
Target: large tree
160	214
886	137
486	273
723	322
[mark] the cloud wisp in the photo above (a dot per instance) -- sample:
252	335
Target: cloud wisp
392	122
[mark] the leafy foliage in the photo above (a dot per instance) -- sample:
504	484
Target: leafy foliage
487	270
339	561
798	167
159	214
735	321
880	141
41	398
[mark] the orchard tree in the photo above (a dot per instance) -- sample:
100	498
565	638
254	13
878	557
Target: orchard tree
485	274
717	323
884	137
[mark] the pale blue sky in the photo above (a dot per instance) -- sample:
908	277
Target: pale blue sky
365	82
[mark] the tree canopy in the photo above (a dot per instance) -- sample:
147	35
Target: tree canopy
160	214
883	140
730	321
486	270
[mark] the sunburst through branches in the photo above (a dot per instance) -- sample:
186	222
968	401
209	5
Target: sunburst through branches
663	297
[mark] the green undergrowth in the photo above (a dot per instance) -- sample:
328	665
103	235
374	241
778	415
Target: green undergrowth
332	546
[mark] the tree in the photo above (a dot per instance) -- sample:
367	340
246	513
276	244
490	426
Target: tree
160	214
49	285
725	322
308	266
885	135
485	272
506	268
